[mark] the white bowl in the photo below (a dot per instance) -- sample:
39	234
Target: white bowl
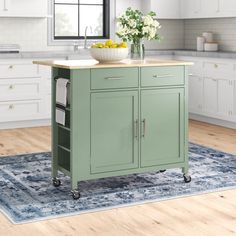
109	55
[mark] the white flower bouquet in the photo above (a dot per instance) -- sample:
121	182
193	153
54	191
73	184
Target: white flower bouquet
134	26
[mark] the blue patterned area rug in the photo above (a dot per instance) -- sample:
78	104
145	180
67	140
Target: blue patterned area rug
26	192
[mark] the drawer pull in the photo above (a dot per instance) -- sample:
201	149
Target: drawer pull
162	76
216	66
144	127
11	86
11	107
114	78
136	129
10	67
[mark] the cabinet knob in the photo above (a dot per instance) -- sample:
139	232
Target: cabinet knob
10	67
11	106
11	86
216	66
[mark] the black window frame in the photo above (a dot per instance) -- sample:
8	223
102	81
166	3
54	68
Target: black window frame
106	22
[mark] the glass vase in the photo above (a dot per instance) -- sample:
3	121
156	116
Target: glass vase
137	51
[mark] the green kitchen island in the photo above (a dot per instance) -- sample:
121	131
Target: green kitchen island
123	118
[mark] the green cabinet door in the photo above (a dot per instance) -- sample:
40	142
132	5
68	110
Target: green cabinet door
162	126
114	131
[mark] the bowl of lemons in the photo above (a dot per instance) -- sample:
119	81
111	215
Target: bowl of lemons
109	52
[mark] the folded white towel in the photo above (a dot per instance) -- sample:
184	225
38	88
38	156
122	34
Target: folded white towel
61	100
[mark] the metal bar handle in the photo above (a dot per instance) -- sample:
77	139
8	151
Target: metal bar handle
136	129
144	127
114	78
162	76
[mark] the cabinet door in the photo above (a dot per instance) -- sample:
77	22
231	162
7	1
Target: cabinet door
114	131
162	126
195	94
191	8
225	98
227	8
23	8
210	96
210	8
166	9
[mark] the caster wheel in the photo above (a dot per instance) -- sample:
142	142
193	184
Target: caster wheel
75	194
187	178
162	171
56	182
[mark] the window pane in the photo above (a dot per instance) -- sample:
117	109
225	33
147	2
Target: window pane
91	16
91	1
67	1
66	20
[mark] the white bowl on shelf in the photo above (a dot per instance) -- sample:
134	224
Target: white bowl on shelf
109	55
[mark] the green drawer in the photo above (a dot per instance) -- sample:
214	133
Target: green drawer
162	76
114	78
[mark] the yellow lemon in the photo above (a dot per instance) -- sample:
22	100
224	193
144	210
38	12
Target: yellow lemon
114	45
123	45
109	42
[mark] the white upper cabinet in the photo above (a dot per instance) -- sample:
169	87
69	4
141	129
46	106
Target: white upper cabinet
23	8
191	9
165	9
227	8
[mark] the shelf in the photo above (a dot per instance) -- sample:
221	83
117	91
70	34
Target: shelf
64	148
64	171
64	127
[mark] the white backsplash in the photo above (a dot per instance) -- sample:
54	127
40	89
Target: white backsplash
223	29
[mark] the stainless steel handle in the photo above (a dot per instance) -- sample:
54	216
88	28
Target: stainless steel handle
114	78
136	129
162	76
144	127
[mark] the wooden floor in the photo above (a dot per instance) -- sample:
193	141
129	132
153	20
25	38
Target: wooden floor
205	215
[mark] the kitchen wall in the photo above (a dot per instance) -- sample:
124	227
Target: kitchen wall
223	28
31	33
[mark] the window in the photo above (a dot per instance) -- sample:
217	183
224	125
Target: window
73	17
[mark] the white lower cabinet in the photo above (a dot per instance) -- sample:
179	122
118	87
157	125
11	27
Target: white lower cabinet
25	94
195	93
210	96
226	93
212	88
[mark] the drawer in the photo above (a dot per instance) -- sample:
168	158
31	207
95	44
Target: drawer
18	70
114	78
162	76
196	69
18	89
219	70
20	110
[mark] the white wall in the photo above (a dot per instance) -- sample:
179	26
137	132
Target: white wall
31	34
224	30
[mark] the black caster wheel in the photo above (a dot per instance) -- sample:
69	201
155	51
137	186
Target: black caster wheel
187	178
162	171
75	194
56	182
